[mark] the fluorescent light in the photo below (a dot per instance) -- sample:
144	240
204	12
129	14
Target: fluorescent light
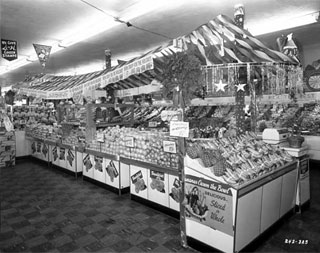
269	26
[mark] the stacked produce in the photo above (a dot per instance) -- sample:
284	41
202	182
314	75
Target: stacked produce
147	146
42	131
26	115
239	159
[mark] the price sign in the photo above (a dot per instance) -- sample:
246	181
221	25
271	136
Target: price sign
169	147
153	124
169	115
129	141
179	128
81	138
100	137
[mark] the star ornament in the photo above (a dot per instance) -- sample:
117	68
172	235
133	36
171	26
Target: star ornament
220	85
241	86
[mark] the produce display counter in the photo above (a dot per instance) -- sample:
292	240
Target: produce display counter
56	153
229	217
154	185
107	170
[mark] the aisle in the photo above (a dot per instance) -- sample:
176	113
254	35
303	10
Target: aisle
46	210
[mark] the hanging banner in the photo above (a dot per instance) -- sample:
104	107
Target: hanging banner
9	49
43	53
209	203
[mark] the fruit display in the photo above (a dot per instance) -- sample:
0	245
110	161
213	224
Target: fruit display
26	115
147	146
239	159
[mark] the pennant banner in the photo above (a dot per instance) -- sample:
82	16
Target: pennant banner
9	49
43	53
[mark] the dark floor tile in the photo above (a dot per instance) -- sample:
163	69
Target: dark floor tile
121	246
20	224
85	222
32	215
63	223
44	247
7	235
173	245
150	231
68	247
172	231
31	234
147	245
94	247
75	234
91	213
21	247
54	234
101	233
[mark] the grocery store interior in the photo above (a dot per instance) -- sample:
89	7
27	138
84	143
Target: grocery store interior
160	126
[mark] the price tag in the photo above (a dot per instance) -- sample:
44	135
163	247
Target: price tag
100	137
129	141
81	138
169	147
153	124
169	115
179	128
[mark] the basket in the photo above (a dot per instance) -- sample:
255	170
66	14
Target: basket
295	141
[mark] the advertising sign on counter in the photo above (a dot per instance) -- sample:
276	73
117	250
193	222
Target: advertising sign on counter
157	179
209	203
138	181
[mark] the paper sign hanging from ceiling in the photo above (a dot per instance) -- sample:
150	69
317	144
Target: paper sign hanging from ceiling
9	49
43	53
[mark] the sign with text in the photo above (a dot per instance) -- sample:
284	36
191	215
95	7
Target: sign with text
179	128
129	141
170	115
169	147
9	49
100	137
209	203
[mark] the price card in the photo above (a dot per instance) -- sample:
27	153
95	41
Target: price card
129	141
81	138
153	124
179	128
169	147
100	137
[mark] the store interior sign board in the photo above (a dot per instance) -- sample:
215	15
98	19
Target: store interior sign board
9	49
179	129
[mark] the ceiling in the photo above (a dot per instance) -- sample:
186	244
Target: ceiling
50	22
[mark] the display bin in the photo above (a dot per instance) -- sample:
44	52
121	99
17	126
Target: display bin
229	217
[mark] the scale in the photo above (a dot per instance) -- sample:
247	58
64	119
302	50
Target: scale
276	136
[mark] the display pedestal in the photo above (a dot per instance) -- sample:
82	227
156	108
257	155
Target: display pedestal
303	188
235	216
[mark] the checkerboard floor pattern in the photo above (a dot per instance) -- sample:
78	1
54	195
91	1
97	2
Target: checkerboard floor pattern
46	210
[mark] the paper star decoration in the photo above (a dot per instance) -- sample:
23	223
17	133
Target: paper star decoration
241	86
220	85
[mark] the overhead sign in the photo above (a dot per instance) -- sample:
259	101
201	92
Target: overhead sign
9	49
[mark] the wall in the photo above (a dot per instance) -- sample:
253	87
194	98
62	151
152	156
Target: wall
311	53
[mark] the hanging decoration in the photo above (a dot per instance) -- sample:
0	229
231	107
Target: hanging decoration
220	86
181	69
43	53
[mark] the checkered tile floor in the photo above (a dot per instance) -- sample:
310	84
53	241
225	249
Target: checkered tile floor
45	210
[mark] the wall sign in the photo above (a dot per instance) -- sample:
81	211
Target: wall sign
179	128
9	49
209	203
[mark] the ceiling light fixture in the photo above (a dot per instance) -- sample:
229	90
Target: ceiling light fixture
286	22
